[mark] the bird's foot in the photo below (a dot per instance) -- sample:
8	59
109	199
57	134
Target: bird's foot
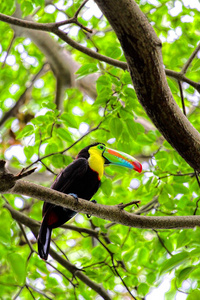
74	195
93	201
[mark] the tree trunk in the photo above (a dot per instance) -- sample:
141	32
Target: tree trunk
142	50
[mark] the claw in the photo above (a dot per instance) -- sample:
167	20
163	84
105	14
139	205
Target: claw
74	195
93	201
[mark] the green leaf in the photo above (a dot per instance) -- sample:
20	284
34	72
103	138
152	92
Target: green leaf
64	134
115	239
51	148
113	52
180	188
132	128
103	82
29	151
106	187
174	262
194	295
26	131
126	78
69	120
143	255
129	255
143	289
49	105
116	127
86	70
60	160
26	7
196	66
18	265
103	96
184	274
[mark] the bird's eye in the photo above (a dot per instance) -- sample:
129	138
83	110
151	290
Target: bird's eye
101	147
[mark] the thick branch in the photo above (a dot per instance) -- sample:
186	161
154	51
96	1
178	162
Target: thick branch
142	50
111	213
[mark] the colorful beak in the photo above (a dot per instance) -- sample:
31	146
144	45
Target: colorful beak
121	159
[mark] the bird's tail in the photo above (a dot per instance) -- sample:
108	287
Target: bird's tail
44	239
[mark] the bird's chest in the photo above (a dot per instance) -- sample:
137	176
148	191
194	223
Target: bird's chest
96	163
87	185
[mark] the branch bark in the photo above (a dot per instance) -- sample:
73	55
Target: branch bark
110	213
142	50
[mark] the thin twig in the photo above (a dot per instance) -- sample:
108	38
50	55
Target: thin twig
189	61
29	287
48	169
60	250
18	293
184	111
126	237
115	268
178	174
122	206
197	202
25	236
23	173
68	148
181	77
182	97
61	273
8	50
162	243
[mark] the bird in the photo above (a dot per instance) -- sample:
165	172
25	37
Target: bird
81	179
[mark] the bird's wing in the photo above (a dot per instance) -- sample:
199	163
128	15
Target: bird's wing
66	178
73	171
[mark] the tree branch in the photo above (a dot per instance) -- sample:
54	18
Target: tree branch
189	61
179	76
110	213
53	27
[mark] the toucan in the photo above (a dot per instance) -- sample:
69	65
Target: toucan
81	178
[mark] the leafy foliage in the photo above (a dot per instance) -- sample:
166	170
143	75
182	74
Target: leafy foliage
37	133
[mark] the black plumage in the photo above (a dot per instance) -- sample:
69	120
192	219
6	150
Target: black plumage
77	178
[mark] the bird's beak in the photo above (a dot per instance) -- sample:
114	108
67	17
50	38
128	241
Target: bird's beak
121	159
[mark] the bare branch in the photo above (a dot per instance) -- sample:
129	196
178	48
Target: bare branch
111	213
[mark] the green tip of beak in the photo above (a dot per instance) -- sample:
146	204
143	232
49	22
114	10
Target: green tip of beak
122	159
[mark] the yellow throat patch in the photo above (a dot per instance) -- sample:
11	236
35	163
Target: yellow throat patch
96	161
